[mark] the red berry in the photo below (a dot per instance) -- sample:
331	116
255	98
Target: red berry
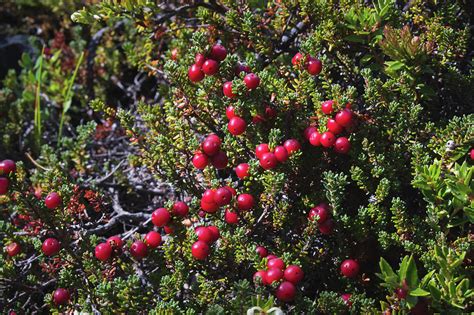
50	246
274	275
208	195
270	112
200	250
315	139
472	154
401	293
180	209
252	81
334	127
195	73
320	211
327	139
296	59
262	251
270	257
245	202
242	170
4	183
218	52
261	149
204	234
209	207
219	160
61	296
199	59
211	146
7	167
308	131
326	227
103	251
52	201
168	229
242	68
174	54
160	217
139	250
292	145
258	119
222	196
115	242
294	274
262	274
229	112
200	161
346	298
210	67
281	154
215	232
344	117
350	268
314	66
326	107
231	217
227	89
236	126
268	161
232	190
153	239
13	249
286	291
276	263
342	145
214	137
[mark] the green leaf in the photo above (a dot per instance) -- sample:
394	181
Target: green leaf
412	273
386	269
419	292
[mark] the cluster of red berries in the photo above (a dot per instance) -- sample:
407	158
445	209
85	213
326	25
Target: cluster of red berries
269	159
161	217
323	213
311	64
207	65
210	151
212	199
277	271
7	167
251	80
207	235
334	126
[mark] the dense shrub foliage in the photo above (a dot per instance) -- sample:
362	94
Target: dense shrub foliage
218	156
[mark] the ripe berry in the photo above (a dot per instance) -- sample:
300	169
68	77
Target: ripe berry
210	67
195	73
334	127
281	154
262	251
7	167
327	139
262	274
231	217
199	59
153	239
261	149
242	68
258	119
227	89
326	107
270	112
13	249
232	190
139	250
314	66
344	117
208	195
168	229
215	232
268	161
222	196
214	137
472	154
270	257
103	251
200	250
236	126
160	217
308	131
211	146
200	161
218	52
209	207
252	81
50	246
294	274
342	145
292	145
115	242
61	296
320	211
219	160
286	291
274	275
180	209
350	268
346	298
229	112
326	227
4	183
245	202
52	201
276	263
401	293
315	139
242	170
296	59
